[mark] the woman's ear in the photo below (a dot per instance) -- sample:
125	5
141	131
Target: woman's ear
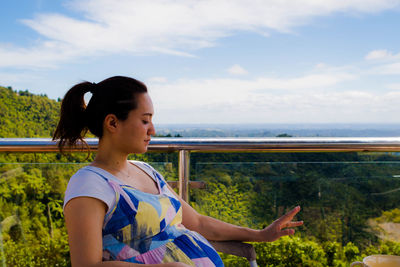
110	123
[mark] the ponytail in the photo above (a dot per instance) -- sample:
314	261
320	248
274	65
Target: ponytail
72	126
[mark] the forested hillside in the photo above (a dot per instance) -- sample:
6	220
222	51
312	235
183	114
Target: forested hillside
23	114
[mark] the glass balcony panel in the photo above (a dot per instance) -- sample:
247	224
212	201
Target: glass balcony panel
345	197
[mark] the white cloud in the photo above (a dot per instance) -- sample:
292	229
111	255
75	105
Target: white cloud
166	26
43	56
394	86
245	100
387	69
384	62
157	80
232	101
237	70
391	68
378	54
312	98
321	66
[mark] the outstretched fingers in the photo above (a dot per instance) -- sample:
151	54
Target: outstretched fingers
293	224
289	231
286	221
289	216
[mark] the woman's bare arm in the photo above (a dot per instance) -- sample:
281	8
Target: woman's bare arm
84	218
217	230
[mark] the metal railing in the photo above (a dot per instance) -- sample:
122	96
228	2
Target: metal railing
184	146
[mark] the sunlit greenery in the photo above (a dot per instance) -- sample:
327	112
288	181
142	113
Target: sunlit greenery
23	114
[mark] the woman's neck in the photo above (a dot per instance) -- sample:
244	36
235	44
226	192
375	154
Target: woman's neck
110	158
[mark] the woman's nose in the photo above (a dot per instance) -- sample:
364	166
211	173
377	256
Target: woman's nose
152	130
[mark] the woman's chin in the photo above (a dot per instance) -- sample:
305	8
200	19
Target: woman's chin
144	150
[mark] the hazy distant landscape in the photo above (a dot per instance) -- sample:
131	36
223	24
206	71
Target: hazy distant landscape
273	130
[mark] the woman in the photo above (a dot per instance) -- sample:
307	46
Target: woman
123	213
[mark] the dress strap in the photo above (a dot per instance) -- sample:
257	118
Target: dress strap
150	171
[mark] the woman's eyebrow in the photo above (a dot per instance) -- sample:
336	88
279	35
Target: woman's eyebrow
147	114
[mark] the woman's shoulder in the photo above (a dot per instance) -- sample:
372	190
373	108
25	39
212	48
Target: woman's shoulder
90	182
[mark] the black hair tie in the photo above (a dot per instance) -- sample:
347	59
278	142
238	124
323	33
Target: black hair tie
93	88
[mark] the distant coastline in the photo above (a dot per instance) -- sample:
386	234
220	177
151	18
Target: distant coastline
272	130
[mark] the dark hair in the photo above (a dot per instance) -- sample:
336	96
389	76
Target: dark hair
115	95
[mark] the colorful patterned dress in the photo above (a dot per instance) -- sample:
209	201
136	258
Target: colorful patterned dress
146	228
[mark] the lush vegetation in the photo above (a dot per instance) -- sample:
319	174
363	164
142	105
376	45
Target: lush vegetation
346	198
23	114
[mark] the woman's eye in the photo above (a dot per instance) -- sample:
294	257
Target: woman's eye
145	122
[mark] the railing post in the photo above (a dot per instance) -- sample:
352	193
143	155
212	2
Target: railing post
184	165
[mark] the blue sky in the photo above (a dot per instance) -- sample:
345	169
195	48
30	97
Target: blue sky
215	61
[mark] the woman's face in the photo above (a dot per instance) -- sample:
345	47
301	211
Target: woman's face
135	132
